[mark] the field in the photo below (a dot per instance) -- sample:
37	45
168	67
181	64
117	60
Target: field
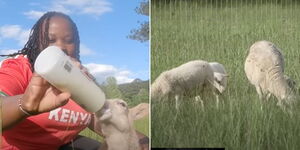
223	31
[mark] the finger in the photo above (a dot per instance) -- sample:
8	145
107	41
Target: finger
38	80
55	90
62	98
36	89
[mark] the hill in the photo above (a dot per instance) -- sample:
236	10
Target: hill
129	90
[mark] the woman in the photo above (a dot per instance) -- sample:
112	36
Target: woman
35	115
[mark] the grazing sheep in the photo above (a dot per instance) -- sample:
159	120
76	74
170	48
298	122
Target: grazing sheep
116	122
194	75
264	67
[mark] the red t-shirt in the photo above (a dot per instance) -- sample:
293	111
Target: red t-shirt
46	131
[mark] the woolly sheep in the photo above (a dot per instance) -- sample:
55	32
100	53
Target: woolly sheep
116	122
186	78
264	68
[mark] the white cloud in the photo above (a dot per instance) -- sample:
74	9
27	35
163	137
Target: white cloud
101	72
77	3
14	32
85	51
23	37
10	31
60	8
91	7
34	14
7	51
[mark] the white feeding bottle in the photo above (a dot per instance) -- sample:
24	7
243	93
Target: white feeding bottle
59	70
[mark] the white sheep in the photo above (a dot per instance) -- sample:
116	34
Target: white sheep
116	122
193	77
264	68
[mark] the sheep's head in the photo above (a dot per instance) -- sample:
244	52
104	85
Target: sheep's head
291	83
160	88
114	115
220	81
111	108
292	88
155	92
116	112
286	92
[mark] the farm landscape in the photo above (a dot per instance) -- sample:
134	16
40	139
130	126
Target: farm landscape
223	31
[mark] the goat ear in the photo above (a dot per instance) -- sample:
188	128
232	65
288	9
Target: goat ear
139	111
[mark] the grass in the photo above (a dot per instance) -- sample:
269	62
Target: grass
223	31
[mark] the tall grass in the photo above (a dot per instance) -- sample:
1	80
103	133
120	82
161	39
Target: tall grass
223	31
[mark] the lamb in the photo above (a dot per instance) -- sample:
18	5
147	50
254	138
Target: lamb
194	76
264	68
116	122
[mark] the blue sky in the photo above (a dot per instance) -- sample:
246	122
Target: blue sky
102	24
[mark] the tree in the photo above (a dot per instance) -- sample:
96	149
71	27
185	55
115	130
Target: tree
142	33
111	89
141	97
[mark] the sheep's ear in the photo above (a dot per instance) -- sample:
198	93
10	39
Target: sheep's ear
139	111
220	75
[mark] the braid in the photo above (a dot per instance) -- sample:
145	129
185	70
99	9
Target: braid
39	40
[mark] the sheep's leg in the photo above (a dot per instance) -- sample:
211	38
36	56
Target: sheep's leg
280	104
268	96
260	95
217	99
202	105
199	99
259	92
177	100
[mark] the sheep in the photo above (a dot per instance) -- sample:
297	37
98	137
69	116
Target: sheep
116	122
187	78
264	68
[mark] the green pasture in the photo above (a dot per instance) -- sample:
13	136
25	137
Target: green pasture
223	31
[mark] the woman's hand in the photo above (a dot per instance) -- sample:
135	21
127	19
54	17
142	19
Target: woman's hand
41	97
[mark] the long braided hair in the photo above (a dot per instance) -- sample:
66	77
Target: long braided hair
39	40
